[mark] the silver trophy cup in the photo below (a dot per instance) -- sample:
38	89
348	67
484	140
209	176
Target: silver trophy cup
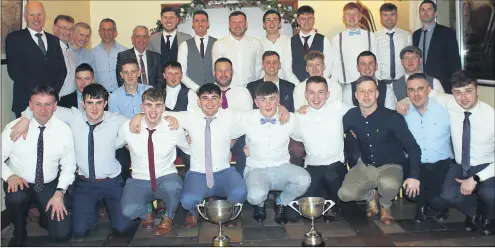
312	208
219	212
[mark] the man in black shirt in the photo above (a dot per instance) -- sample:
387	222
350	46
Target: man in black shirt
383	136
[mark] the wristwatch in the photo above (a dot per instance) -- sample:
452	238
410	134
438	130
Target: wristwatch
61	190
476	178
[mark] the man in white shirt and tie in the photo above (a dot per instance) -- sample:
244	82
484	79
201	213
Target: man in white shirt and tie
33	166
347	45
390	41
154	175
195	54
308	40
268	167
274	41
63	28
244	51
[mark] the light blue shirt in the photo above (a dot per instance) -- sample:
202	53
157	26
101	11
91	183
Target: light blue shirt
105	140
83	55
431	131
105	65
125	104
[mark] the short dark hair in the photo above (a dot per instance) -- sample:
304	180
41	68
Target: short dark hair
201	12
305	9
311	55
170	9
269	53
431	2
417	76
238	13
365	54
388	7
172	64
109	20
95	91
222	59
154	95
66	18
85	67
317	79
266	88
128	61
209	88
462	78
363	79
44	90
272	11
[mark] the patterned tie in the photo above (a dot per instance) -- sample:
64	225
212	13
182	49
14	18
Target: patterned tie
225	103
357	32
267	120
39	179
306	45
202	48
392	55
466	143
41	44
151	159
424	49
167	44
91	152
144	79
208	158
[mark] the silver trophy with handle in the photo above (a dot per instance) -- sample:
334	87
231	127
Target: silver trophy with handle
220	212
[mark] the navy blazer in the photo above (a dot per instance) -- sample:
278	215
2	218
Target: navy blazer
68	101
286	90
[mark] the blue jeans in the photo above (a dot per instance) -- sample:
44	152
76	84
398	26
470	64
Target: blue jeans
138	193
228	183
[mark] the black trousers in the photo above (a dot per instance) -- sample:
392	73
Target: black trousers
468	204
17	206
431	177
185	158
124	158
351	149
240	157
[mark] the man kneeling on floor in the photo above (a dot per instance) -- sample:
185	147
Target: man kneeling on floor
153	153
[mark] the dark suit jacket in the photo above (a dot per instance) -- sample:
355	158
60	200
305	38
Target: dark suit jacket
286	89
154	67
443	55
68	101
28	67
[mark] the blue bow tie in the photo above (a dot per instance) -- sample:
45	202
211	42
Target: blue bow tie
351	33
265	120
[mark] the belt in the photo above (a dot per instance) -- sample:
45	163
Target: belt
98	180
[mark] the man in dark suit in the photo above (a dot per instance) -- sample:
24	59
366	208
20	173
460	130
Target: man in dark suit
438	44
271	66
148	61
84	77
34	57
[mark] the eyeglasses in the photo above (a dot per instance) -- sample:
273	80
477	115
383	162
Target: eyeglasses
65	29
133	72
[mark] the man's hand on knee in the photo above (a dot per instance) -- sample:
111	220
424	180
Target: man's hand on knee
16	182
412	187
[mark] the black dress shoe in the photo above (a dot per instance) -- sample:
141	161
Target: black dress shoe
487	227
259	213
331	215
442	215
421	214
471	223
280	216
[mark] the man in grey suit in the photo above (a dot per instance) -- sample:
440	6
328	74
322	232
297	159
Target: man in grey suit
148	61
167	42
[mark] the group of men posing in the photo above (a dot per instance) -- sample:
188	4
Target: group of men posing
206	123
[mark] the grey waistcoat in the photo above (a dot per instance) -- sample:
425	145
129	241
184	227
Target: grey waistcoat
199	69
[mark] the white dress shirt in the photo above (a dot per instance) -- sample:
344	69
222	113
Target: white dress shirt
238	97
245	54
172	94
327	51
182	59
482	121
333	87
58	149
401	39
322	132
164	142
267	143
282	47
43	37
145	61
171	39
71	64
225	127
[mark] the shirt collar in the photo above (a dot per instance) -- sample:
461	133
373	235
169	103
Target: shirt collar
234	39
138	90
36	124
312	33
138	53
115	45
173	34
63	46
431	26
215	116
393	30
32	32
273	117
313	110
198	37
173	89
85	117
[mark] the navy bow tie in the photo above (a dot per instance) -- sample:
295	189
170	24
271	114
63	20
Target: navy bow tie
266	120
357	32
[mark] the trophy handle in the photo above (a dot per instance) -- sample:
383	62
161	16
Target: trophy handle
199	206
238	212
329	207
291	205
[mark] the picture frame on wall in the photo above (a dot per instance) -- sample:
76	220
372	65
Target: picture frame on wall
12	20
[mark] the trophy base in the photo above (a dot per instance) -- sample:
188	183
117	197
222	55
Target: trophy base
221	241
304	244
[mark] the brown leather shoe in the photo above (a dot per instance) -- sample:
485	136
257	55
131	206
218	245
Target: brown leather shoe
386	216
372	209
165	226
149	222
190	221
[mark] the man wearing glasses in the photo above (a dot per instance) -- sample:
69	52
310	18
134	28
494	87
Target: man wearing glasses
63	28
